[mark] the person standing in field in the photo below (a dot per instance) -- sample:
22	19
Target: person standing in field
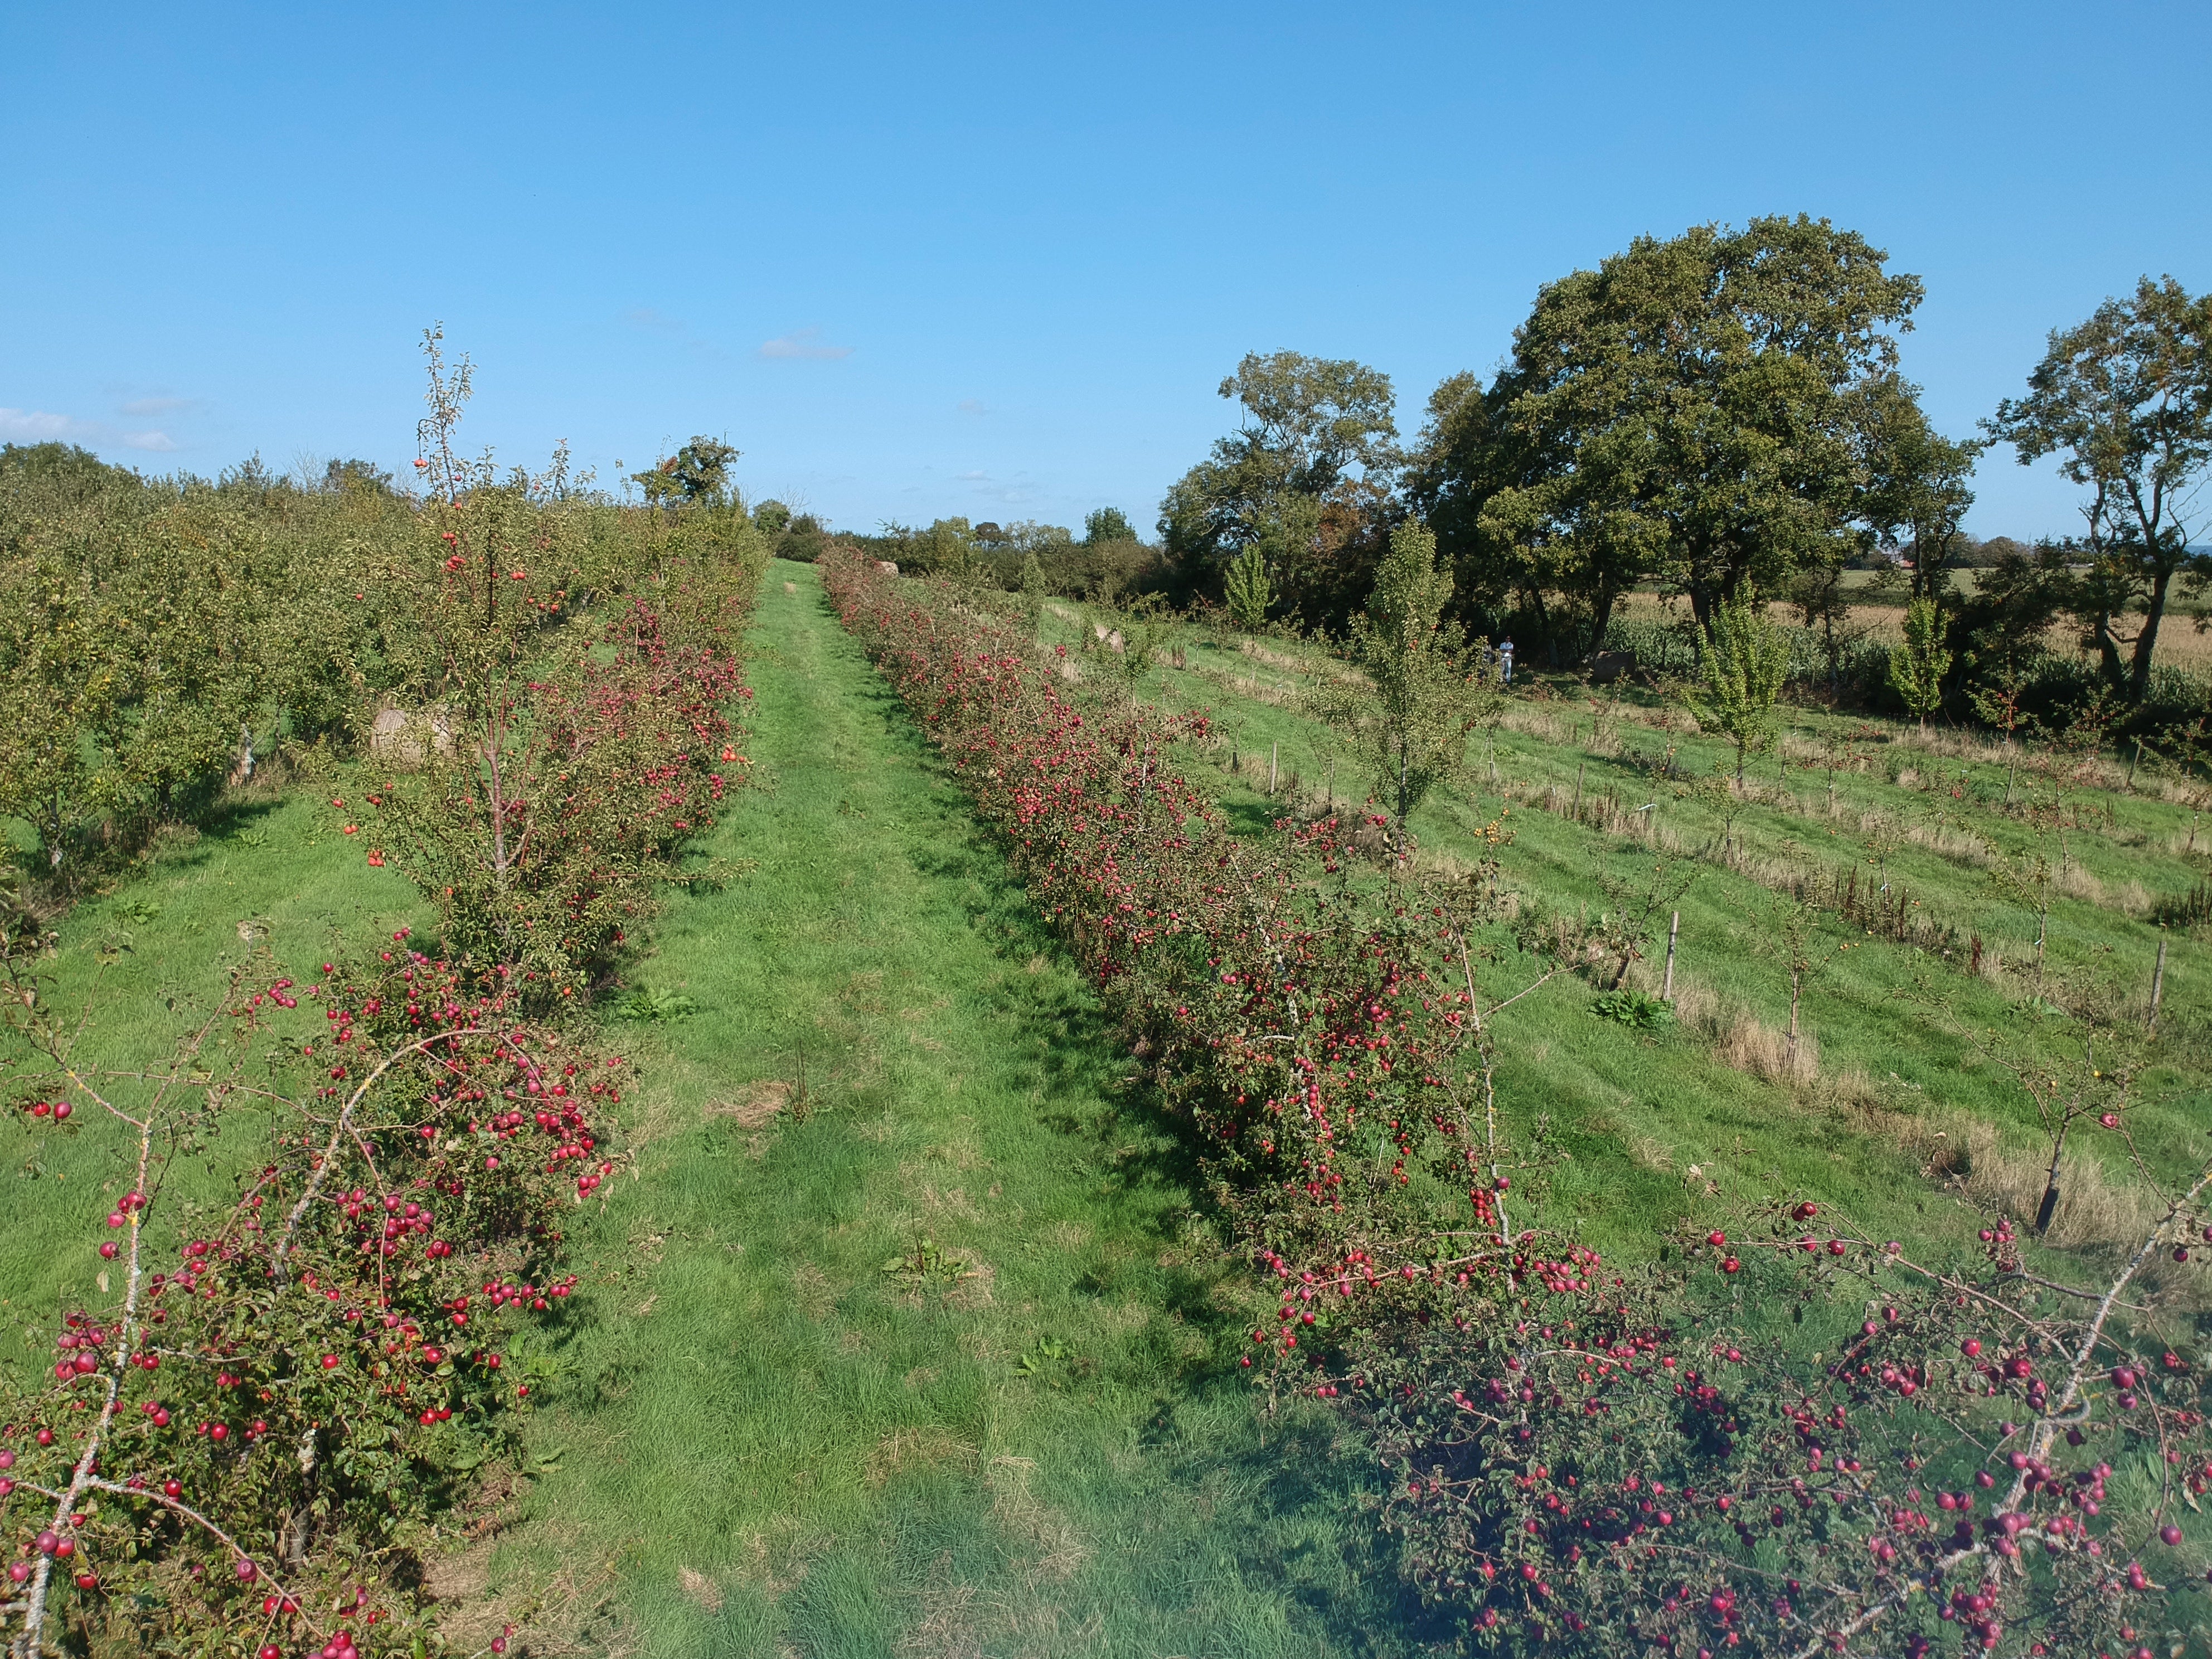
1505	660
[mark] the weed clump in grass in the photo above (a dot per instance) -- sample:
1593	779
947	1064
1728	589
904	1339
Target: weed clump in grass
1636	1010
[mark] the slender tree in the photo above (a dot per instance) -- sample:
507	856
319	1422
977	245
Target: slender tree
1918	662
1744	660
1424	693
1032	589
2124	400
1795	938
1247	591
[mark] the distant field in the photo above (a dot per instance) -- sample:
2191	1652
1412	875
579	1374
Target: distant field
2181	643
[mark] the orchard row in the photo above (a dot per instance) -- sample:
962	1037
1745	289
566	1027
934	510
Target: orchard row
235	1448
1959	1455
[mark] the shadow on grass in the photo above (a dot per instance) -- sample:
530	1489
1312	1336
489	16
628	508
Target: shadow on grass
1253	820
1084	1054
106	863
1287	1488
1289	1465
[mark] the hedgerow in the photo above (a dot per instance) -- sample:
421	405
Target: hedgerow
159	638
231	1449
235	1448
1965	1454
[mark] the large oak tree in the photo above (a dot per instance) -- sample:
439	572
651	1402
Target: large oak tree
1718	408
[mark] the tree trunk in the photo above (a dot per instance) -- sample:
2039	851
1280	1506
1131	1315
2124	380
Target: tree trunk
1533	598
2146	641
1602	616
2046	1210
1796	985
2108	650
1401	803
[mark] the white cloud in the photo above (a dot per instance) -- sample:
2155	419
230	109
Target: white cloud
676	330
30	426
1012	492
802	342
142	407
33	426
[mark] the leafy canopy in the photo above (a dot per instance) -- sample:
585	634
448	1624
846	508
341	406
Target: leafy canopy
2124	401
700	472
1318	433
1708	411
1107	523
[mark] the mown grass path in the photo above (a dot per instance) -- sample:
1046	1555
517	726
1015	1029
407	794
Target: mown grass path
768	1443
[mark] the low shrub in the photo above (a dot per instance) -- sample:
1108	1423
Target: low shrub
232	1451
1637	1010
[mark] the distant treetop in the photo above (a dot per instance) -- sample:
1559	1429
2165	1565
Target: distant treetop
1107	523
700	471
59	470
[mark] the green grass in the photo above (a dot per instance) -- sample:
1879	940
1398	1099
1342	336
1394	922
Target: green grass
1035	1438
1627	1113
1054	1451
267	878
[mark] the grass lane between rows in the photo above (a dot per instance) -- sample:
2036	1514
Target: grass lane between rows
1031	1438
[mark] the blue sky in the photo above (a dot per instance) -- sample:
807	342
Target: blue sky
993	260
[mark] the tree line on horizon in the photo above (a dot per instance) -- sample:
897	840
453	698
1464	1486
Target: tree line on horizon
1713	414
